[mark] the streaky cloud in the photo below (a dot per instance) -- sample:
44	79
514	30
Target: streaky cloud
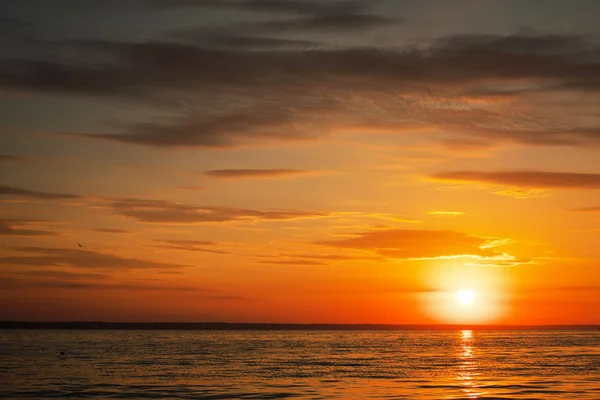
592	209
110	230
526	179
81	259
255	173
26	193
19	227
295	94
416	244
166	212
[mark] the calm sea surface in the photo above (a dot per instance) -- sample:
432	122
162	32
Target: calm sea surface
300	364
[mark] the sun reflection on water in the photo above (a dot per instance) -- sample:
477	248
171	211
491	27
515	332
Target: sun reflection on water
467	367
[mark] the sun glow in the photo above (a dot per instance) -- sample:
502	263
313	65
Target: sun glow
466	294
465	297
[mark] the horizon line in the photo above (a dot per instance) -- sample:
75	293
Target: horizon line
86	324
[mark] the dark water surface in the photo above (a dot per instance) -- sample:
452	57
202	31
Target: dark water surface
300	364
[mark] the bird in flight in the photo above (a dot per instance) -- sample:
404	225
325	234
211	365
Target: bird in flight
79	244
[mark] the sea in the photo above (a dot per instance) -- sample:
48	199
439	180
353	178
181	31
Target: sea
192	364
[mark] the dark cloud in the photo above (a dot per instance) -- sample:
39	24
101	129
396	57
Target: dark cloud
75	258
74	281
328	23
525	179
224	95
15	29
254	173
401	243
190	245
156	211
57	273
10	157
586	209
18	227
108	286
25	193
109	230
223	38
297	7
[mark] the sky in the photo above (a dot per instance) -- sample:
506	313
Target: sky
303	161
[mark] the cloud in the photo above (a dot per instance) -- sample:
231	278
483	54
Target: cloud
75	258
521	193
293	94
157	211
496	260
413	244
593	209
77	281
292	262
25	193
525	179
109	230
58	273
329	23
109	286
191	188
190	245
446	213
310	16
18	227
225	38
255	173
332	257
10	157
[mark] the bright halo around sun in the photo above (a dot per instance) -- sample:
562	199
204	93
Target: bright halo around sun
465	297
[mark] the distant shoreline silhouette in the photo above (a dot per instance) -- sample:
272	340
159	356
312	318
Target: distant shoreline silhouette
98	325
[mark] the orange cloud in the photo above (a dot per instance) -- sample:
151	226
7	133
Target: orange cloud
109	230
190	245
525	179
586	209
167	212
18	227
25	193
75	258
446	213
406	244
254	173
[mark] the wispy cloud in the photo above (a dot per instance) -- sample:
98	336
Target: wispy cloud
446	213
10	157
416	244
525	179
157	211
21	227
332	257
292	262
190	245
255	173
15	192
451	84
306	15
86	259
110	230
592	209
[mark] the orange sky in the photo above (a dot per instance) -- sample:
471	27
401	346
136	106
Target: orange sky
302	173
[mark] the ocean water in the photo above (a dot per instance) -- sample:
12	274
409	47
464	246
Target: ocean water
300	364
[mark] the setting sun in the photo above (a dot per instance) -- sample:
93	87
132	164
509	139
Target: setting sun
465	297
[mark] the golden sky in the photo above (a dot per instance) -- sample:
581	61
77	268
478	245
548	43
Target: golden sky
300	161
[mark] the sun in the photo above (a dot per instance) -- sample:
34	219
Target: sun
465	296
